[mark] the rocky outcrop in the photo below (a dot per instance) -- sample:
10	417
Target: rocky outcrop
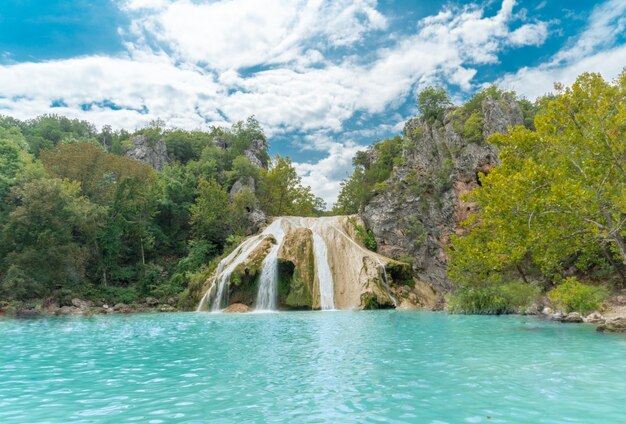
256	218
422	203
256	152
152	153
613	325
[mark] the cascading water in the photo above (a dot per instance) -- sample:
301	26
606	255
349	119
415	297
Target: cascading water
341	268
221	281
324	275
267	295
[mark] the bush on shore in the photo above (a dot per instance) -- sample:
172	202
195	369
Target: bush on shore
492	300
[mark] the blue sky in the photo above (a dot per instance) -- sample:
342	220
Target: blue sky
325	78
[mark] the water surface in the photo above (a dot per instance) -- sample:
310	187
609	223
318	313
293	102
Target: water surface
348	367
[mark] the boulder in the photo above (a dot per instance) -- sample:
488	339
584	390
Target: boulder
237	308
614	325
68	310
254	215
406	304
595	318
167	308
151	301
122	308
572	317
82	304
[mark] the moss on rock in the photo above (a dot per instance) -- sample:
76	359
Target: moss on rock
244	279
297	287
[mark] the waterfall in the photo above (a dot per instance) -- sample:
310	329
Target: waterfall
267	295
324	275
221	282
339	268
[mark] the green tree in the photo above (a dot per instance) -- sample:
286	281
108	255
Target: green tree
558	199
432	102
210	213
45	236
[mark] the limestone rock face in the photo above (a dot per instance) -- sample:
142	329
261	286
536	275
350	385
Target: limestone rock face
154	154
255	216
254	153
422	204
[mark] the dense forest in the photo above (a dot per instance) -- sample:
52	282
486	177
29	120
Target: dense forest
79	218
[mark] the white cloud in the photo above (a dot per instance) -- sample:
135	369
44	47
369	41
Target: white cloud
186	63
536	82
529	35
590	51
244	33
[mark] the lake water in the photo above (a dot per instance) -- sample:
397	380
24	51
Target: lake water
336	367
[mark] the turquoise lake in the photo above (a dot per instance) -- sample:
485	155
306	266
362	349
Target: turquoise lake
314	367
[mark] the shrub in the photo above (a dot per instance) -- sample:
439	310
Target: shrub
574	296
365	236
493	300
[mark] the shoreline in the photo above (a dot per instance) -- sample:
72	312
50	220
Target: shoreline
611	320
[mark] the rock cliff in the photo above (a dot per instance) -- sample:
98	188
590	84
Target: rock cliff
421	204
154	154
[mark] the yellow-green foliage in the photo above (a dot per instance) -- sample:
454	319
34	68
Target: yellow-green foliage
473	128
574	296
559	196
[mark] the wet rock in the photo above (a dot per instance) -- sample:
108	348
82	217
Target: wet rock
557	316
595	318
122	308
27	313
614	325
406	304
237	308
68	310
167	308
572	317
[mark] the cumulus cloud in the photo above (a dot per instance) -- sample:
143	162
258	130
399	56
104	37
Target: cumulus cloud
294	64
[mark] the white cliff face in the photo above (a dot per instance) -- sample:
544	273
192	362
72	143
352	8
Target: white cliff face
343	274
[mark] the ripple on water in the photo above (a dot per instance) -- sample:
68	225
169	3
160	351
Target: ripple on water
349	367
